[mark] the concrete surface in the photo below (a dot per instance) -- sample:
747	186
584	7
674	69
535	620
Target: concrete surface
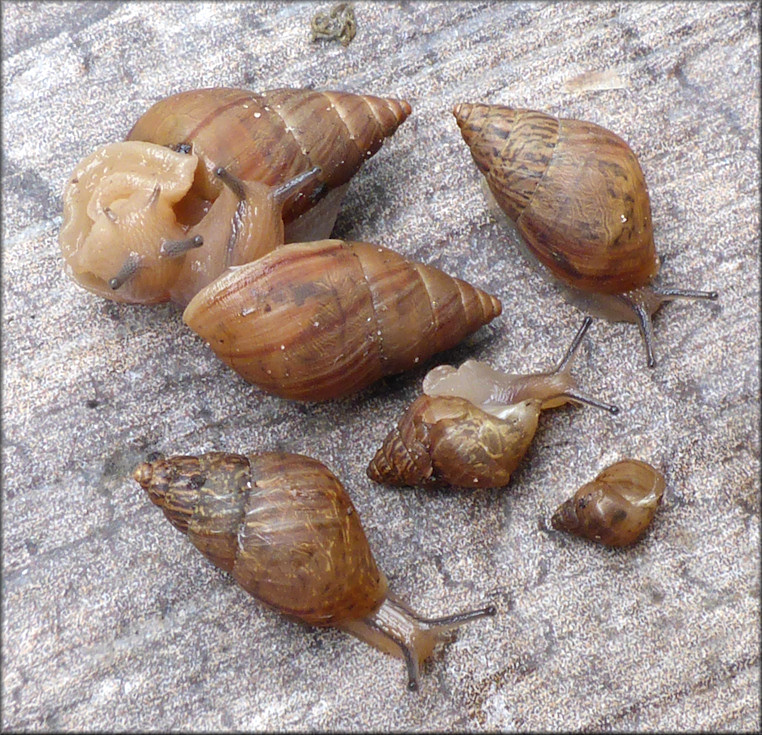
112	621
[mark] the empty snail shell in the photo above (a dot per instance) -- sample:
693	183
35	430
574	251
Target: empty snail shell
472	426
284	527
616	508
212	178
320	320
577	196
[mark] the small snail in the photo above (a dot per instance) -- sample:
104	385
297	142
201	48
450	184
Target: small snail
472	426
616	507
284	527
320	320
577	196
212	178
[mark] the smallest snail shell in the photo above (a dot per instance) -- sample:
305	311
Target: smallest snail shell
616	507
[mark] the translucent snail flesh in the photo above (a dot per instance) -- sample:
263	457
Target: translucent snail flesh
320	320
577	196
616	508
284	527
212	178
472	426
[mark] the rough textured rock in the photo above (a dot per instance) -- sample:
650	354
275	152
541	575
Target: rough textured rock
112	620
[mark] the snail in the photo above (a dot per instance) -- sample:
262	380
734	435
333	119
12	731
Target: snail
472	426
212	178
320	320
616	508
577	196
286	530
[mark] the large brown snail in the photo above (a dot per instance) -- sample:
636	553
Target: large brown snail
284	527
616	508
212	178
577	196
320	320
472	426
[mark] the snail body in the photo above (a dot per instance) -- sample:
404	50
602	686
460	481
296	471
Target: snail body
616	508
321	320
213	178
472	426
578	198
284	527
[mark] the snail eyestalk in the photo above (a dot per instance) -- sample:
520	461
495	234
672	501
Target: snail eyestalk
232	182
282	192
126	272
153	197
572	351
670	294
176	248
643	318
578	398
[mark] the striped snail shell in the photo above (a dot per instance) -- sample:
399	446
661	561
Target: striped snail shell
321	320
577	196
472	426
616	508
286	530
212	178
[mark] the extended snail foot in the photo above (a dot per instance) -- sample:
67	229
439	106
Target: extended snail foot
399	631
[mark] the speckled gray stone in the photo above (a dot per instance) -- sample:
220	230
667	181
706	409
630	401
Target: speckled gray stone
112	621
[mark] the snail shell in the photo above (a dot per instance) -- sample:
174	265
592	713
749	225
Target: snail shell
616	508
577	196
212	178
473	425
321	320
284	527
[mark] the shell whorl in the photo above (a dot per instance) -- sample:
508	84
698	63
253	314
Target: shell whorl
447	440
574	190
321	320
275	135
281	524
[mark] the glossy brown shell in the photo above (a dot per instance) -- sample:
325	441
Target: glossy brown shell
574	190
444	440
616	508
321	320
272	136
281	524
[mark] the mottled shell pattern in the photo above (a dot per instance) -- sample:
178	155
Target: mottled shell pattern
574	190
281	524
616	508
577	196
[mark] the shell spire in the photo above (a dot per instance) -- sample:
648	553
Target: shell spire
273	136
